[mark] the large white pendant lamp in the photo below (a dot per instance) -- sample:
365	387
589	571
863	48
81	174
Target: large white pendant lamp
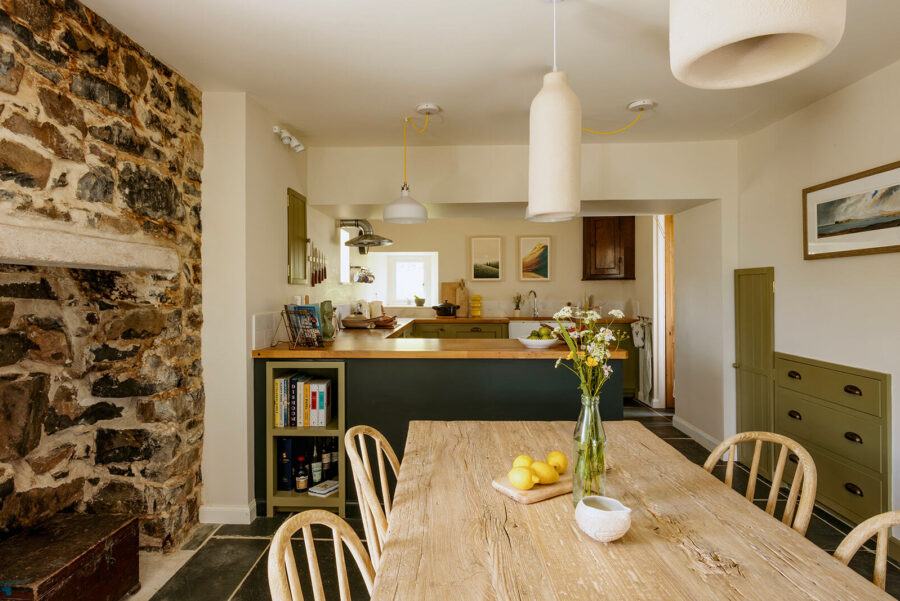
554	148
720	44
407	209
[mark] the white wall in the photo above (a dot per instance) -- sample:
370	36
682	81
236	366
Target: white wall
227	467
683	170
449	237
840	310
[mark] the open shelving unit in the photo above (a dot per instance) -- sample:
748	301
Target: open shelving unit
290	500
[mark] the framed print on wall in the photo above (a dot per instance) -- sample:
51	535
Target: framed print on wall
534	258
855	215
486	258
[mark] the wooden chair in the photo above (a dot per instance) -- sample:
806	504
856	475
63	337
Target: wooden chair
284	581
804	481
880	525
374	517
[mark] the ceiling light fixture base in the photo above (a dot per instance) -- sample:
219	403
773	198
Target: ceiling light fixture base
428	108
645	104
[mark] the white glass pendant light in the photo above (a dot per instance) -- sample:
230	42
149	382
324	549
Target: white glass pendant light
407	209
554	148
721	44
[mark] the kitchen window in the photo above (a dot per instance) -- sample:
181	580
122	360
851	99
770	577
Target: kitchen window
408	275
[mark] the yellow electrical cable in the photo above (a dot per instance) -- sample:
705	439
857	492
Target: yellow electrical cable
609	133
418	131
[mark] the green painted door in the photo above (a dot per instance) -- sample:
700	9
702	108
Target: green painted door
754	336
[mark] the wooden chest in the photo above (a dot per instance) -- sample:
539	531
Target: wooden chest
71	556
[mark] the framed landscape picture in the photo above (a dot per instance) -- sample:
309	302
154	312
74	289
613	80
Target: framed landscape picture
855	215
486	258
534	258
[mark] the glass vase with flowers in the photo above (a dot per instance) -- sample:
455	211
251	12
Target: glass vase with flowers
591	339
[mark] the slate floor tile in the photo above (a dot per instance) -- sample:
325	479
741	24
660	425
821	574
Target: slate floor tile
199	536
665	430
256	586
260	527
863	563
739	480
214	572
690	449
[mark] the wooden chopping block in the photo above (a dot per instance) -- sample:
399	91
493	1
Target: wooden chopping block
462	299
448	292
540	492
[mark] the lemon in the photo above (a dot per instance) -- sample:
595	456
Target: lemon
522	477
545	473
522	461
558	460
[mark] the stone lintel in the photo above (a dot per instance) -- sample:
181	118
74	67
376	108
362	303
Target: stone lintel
28	245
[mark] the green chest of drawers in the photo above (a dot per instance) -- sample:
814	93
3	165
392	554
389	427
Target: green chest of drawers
842	416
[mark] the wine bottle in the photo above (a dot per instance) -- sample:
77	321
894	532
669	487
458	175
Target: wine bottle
316	465
301	477
326	459
334	459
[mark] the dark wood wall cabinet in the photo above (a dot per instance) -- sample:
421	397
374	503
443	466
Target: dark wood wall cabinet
608	248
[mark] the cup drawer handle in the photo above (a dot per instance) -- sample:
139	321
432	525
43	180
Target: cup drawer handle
475	329
851	389
794	414
793	458
853	437
795	375
854	489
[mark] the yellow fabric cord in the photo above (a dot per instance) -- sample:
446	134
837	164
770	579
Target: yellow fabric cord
609	133
418	131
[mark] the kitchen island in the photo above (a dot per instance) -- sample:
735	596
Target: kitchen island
391	380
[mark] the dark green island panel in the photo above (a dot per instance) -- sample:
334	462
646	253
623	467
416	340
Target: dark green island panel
388	393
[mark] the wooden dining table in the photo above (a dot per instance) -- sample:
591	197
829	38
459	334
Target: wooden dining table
453	537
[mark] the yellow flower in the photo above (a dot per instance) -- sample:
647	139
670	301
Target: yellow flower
581	354
591	362
569	356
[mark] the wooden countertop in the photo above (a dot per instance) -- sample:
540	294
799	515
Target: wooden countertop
378	344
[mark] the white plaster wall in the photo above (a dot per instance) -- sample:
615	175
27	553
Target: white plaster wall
682	170
841	310
226	467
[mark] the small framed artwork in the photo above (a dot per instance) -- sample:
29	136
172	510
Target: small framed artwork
534	258
855	215
486	258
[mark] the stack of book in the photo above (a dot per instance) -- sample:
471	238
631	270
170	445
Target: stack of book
302	401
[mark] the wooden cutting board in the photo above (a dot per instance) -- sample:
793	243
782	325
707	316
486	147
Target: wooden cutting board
448	292
540	492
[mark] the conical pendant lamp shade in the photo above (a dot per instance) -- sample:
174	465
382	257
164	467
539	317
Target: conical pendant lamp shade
554	151
405	209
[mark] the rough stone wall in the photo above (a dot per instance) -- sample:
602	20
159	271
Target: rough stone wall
101	397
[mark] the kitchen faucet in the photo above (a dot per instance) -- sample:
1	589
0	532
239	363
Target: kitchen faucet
534	309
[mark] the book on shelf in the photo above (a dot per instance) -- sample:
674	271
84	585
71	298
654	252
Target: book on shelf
324	489
300	401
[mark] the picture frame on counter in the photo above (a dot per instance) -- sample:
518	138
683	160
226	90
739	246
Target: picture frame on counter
534	258
854	215
486	258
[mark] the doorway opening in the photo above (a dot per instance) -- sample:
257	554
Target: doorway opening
663	312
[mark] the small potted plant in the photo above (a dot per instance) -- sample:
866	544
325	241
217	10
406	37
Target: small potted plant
517	304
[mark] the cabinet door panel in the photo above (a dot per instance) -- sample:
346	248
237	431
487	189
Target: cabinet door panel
608	248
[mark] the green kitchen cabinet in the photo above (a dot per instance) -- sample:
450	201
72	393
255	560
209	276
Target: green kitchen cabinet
630	365
460	330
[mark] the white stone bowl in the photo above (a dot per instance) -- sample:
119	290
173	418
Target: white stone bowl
603	518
